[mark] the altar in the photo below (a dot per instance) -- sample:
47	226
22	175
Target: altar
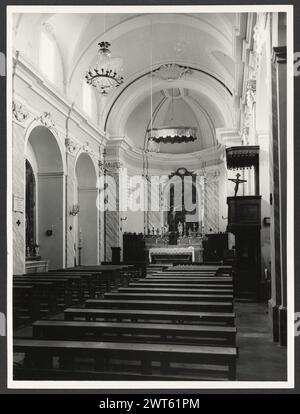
188	249
173	252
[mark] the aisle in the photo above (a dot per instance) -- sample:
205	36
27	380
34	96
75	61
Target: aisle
260	359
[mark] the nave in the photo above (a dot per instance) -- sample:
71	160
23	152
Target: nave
115	323
149	199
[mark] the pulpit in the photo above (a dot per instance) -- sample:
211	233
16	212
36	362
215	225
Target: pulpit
244	221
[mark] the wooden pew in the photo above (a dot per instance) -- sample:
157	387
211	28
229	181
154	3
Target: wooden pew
34	374
108	278
216	318
182	276
176	290
40	353
88	281
138	332
175	285
195	281
170	296
64	289
160	305
32	301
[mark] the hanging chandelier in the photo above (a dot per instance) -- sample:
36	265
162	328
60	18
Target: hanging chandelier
105	76
171	134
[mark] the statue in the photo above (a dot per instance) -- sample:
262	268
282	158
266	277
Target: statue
172	219
237	182
180	229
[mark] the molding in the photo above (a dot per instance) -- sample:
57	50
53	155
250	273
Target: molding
71	146
20	112
57	174
36	82
47	120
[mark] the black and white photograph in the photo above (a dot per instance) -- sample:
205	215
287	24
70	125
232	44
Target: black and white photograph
150	197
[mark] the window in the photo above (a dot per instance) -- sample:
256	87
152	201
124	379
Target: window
87	104
47	56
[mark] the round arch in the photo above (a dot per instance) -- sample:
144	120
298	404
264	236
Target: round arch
42	150
87	219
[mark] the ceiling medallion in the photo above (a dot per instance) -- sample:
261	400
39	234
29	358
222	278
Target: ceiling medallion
171	72
104	76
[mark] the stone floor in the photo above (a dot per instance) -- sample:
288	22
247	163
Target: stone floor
260	359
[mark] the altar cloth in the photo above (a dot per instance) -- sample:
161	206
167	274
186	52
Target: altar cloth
172	251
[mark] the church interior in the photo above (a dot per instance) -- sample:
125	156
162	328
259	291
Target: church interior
149	196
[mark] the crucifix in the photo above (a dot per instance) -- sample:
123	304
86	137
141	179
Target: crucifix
237	182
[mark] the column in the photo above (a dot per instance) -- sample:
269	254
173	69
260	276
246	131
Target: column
278	208
112	216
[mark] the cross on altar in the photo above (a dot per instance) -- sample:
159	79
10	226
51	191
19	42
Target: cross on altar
237	182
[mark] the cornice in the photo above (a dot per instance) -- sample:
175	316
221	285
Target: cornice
35	81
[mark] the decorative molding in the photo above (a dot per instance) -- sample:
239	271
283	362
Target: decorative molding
251	93
71	146
47	120
259	37
88	150
44	89
171	72
20	113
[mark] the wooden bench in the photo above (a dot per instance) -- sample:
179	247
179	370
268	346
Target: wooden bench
170	296
187	281
177	290
40	353
160	305
134	332
175	285
111	276
191	277
32	301
64	288
222	319
35	374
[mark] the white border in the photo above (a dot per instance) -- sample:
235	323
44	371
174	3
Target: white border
109	385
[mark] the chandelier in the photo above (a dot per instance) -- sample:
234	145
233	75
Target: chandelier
171	134
104	77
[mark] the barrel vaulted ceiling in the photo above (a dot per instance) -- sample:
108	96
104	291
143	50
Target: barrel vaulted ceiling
144	42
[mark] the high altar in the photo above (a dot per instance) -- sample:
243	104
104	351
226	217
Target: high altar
180	237
188	248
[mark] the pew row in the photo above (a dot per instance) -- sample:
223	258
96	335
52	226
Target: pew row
136	315
140	357
135	332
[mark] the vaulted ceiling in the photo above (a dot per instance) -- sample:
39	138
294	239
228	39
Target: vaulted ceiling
143	43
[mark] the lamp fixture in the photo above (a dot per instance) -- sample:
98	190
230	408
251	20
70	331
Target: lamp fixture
104	76
170	134
74	210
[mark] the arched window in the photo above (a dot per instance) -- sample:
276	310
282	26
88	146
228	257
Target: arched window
87	99
47	56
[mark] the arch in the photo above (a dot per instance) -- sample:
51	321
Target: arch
140	21
37	123
41	145
88	218
124	106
